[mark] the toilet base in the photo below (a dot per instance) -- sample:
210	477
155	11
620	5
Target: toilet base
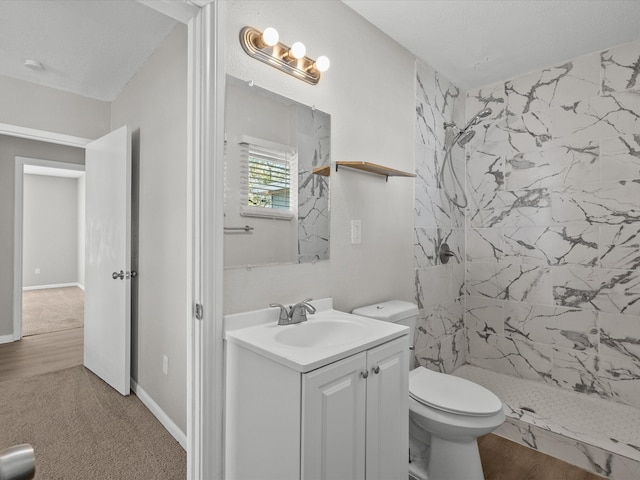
454	460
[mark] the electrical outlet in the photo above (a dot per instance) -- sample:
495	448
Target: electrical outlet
356	232
37	271
165	364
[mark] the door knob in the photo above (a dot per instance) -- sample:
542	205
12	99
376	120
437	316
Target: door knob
376	369
364	374
116	275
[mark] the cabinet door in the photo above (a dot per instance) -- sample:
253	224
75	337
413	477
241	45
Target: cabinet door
333	425
387	442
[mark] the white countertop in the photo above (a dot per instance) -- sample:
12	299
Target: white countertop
259	332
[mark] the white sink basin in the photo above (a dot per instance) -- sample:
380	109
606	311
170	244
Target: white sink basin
326	336
321	333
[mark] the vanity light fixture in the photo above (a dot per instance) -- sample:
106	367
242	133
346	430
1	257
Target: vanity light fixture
266	47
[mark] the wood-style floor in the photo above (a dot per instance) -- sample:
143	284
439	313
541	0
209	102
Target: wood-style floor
506	460
42	353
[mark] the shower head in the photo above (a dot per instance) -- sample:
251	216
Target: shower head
485	112
465	137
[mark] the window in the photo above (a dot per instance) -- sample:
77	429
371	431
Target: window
269	180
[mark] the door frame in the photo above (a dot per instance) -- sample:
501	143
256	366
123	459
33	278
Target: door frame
205	177
18	225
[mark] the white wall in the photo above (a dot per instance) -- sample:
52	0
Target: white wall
369	93
50	230
154	105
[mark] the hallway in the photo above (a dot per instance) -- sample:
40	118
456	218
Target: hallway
42	353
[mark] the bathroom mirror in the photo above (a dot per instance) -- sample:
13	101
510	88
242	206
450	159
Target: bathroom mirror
276	208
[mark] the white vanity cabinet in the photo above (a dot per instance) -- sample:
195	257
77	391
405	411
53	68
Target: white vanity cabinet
355	416
344	420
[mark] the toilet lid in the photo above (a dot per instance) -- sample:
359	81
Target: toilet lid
452	394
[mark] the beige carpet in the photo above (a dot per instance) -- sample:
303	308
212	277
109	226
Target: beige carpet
82	429
52	310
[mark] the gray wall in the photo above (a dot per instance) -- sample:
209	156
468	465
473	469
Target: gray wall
10	148
34	106
154	105
50	230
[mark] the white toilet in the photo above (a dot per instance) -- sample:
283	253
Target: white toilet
446	414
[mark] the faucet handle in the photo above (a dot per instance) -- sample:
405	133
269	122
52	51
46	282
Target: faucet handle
283	319
307	306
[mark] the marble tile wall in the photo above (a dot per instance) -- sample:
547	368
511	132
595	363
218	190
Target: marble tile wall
314	150
439	336
553	226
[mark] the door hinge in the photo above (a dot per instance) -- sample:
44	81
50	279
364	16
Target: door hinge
199	311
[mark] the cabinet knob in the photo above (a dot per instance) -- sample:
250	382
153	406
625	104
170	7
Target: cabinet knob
376	369
364	374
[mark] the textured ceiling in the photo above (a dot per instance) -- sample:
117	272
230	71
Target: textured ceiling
92	48
479	42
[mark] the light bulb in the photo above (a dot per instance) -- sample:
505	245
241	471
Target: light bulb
322	64
298	50
270	36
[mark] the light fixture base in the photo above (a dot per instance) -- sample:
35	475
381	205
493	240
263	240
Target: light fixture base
277	56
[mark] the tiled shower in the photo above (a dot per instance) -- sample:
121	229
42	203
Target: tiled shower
544	281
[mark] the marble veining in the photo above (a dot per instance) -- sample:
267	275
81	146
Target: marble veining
513	208
562	84
510	356
621	67
613	378
484	244
436	91
573	163
570	328
314	140
607	290
611	115
620	157
444	354
552	245
484	315
620	246
618	336
609	203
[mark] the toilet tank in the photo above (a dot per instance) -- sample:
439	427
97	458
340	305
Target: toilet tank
395	311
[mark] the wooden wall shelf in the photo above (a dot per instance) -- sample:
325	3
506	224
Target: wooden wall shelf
365	167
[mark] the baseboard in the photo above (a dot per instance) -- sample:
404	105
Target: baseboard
6	338
80	286
55	285
157	412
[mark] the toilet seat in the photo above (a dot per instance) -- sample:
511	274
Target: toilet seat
452	394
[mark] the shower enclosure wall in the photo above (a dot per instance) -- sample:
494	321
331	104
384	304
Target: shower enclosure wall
544	284
553	224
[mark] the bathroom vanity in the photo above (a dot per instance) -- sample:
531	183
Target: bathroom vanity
326	398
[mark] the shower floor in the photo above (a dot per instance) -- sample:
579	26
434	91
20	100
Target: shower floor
599	435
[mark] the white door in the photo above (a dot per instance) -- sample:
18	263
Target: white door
388	410
107	330
333	428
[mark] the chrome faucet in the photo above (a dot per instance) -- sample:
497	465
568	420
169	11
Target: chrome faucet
294	314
